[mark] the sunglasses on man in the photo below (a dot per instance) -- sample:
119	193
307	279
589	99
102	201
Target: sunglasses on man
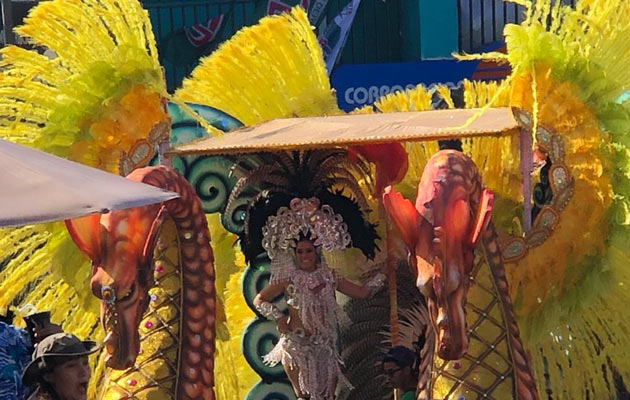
390	372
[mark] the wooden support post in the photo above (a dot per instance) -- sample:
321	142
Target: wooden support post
392	288
527	159
390	262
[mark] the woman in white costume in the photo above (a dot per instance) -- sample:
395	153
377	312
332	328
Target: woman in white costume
294	240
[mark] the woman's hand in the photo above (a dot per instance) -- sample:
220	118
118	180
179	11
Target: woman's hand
282	324
375	282
373	285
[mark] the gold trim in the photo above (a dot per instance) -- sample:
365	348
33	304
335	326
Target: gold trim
561	182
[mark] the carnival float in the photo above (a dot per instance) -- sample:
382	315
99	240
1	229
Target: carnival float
509	275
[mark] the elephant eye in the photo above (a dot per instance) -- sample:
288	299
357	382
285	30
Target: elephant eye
129	293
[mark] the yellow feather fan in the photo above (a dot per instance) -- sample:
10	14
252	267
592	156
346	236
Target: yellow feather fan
569	67
100	92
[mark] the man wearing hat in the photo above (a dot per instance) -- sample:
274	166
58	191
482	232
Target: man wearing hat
400	367
59	368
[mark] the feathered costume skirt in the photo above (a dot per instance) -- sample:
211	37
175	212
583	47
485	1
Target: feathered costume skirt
317	361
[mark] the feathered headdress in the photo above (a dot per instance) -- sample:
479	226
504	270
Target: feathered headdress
278	178
303	218
98	94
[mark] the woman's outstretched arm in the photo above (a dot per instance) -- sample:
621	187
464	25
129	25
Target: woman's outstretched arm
364	291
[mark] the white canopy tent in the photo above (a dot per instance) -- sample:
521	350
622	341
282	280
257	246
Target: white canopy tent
38	187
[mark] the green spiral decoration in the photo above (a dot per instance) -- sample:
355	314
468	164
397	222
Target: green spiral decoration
276	391
255	279
261	335
259	338
210	176
235	222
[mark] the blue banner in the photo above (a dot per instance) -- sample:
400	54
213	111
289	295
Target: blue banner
361	84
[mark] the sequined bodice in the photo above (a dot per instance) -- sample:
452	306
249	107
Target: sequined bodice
312	294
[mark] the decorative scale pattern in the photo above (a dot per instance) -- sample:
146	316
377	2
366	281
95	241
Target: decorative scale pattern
485	371
155	371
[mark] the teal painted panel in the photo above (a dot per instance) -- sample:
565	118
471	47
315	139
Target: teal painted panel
410	29
439	31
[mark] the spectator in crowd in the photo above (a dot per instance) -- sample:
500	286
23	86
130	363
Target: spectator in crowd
401	370
59	369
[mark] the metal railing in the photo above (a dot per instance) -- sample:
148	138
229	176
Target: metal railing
481	22
375	35
376	32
